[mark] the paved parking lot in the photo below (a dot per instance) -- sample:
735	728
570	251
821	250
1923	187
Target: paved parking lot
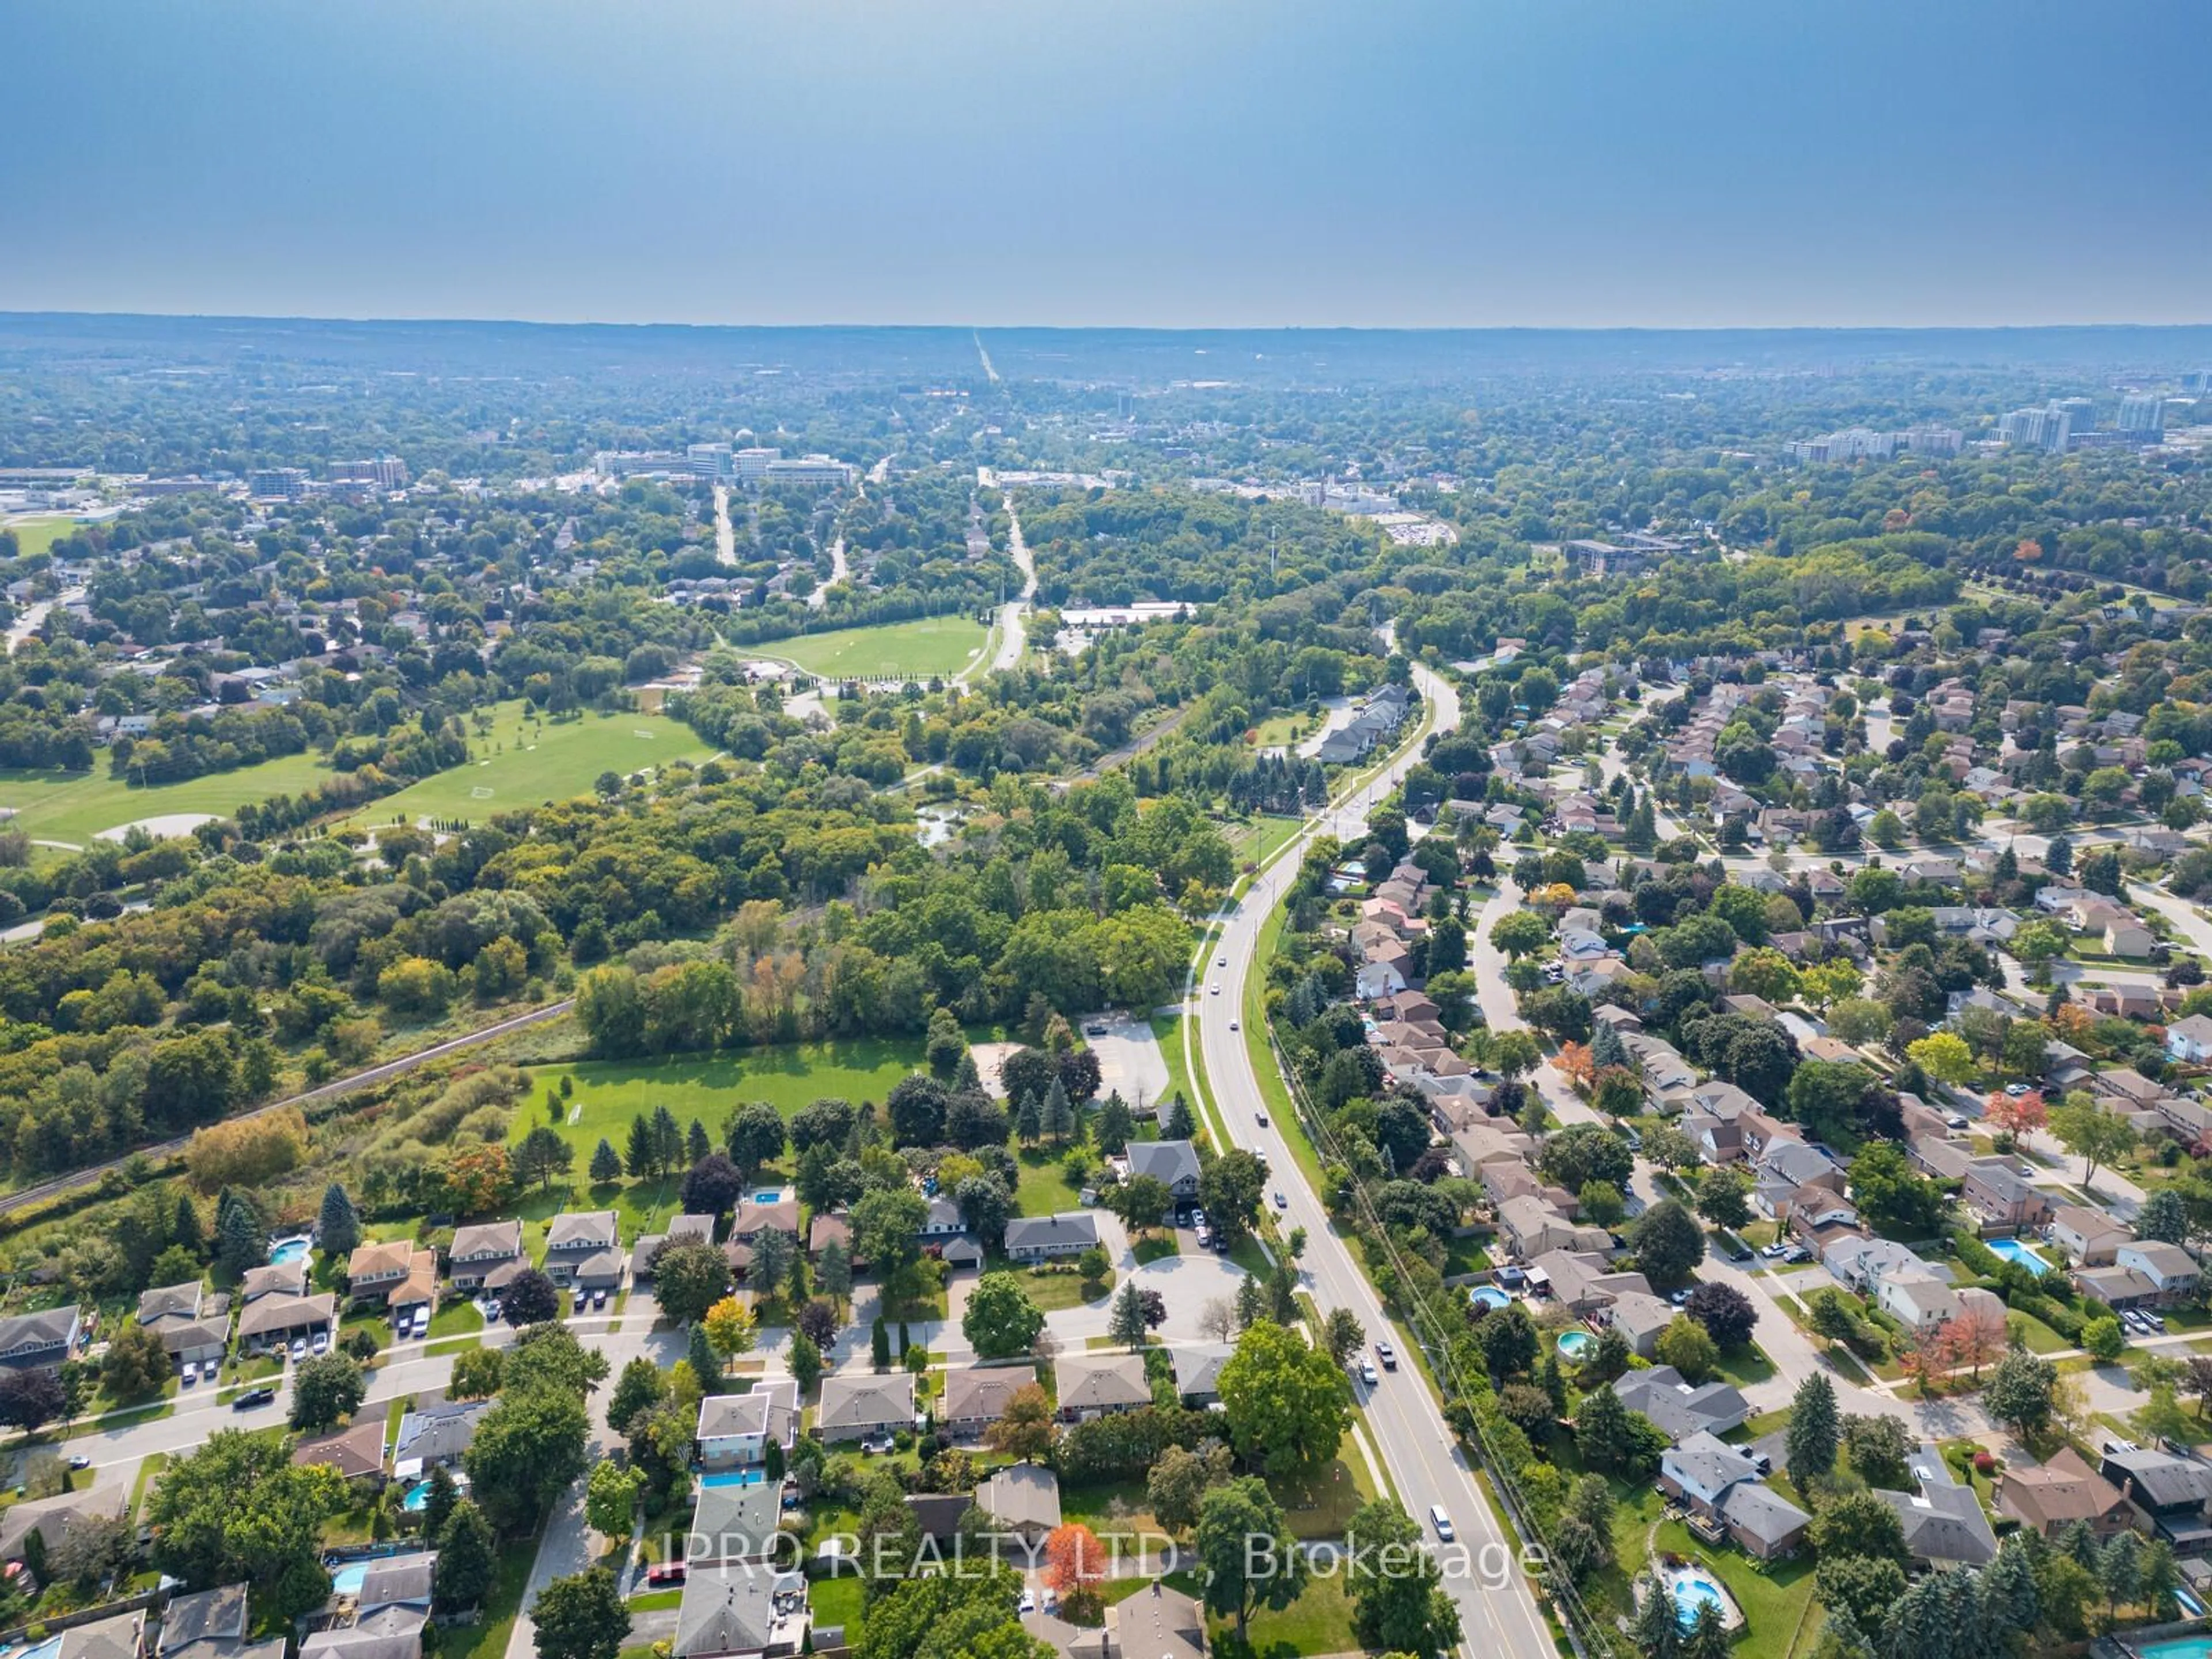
1129	1059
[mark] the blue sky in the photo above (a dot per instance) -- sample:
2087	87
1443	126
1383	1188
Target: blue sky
1197	162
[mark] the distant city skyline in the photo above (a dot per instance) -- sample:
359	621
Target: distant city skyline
1405	163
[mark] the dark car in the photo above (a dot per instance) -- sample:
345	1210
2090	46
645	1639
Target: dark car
252	1397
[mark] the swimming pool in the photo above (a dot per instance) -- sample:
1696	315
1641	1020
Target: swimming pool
418	1495
347	1580
734	1478
767	1198
1695	1589
2182	1647
2012	1250
1490	1295
1576	1344
288	1249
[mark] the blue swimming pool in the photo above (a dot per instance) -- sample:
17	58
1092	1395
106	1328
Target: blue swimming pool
2012	1250
2182	1647
1694	1590
767	1198
734	1478
1576	1344
1490	1295
347	1580
288	1249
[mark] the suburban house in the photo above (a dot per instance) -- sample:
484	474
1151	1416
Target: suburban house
2169	1490
1021	1497
435	1435
1156	1624
1721	1486
1861	1264
2089	1236
193	1324
123	1637
1091	1384
40	1342
733	1608
1038	1237
1528	1227
2050	1497
51	1518
212	1623
2190	1041
1639	1318
485	1256
2001	1196
685	1229
357	1453
2143	1271
1173	1164
400	1274
1583	1282
1944	1526
734	1429
278	1278
735	1522
1699	1469
1198	1370
854	1408
275	1321
583	1250
975	1397
1679	1408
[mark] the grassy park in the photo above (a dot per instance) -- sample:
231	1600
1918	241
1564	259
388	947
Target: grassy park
927	645
37	535
76	806
527	762
609	1093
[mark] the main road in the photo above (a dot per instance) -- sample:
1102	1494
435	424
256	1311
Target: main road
1424	1459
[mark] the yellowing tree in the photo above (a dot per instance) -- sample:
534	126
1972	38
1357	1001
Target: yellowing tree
731	1327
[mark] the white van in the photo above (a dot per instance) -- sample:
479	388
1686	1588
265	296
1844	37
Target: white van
1442	1523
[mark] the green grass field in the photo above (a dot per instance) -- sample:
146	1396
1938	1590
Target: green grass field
75	806
610	1093
37	535
928	645
528	763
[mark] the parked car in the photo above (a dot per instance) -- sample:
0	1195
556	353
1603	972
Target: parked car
1956	1121
1028	1604
599	1300
2014	1090
1774	1249
667	1572
299	1349
321	1344
1796	1253
1096	1028
191	1372
1680	1298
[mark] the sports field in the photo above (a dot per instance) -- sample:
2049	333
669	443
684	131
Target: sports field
37	535
527	762
609	1093
926	646
75	806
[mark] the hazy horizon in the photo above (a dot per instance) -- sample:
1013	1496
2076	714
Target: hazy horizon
1416	164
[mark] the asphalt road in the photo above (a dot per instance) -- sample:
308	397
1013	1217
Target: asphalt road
1424	1457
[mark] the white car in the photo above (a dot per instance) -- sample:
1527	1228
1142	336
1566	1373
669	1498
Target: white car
1956	1121
1213	990
1367	1373
2014	1090
1442	1523
299	1348
1221	961
191	1372
1027	1602
322	1342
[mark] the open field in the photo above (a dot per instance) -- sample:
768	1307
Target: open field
928	645
75	806
527	763
609	1093
37	535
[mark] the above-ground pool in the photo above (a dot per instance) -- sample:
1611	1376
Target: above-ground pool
347	1579
1695	1590
1490	1295
2012	1250
1576	1344
288	1249
734	1478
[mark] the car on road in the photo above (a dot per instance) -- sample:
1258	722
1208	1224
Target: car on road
1232	1025
1739	1251
1956	1121
1442	1523
1282	1201
1028	1604
1095	1029
1387	1355
1213	990
1221	961
252	1397
1367	1373
1260	1118
80	1462
1051	1599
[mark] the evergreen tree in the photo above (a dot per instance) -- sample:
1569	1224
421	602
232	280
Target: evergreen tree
607	1164
241	1243
667	1140
1607	1047
1815	1430
462	1575
338	1227
966	1079
186	1228
1251	1303
2163	1217
696	1143
835	1271
438	1502
1029	1118
2078	1541
1708	1638
640	1159
1113	1124
704	1360
1059	1113
1658	1629
2008	1600
880	1344
1181	1125
2161	1574
1125	1320
2119	1569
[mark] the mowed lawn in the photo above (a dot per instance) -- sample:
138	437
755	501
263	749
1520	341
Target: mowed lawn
528	762
609	1093
928	645
75	806
37	535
